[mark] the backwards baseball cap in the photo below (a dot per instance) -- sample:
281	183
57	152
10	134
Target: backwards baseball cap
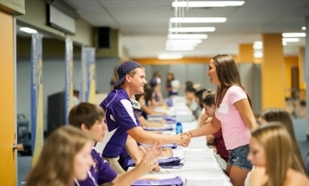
135	104
124	69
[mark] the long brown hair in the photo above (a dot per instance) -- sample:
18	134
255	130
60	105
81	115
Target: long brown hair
279	152
282	116
228	76
55	166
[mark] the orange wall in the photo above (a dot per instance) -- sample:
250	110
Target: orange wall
7	98
155	61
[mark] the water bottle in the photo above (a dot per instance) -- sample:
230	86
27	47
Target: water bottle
178	128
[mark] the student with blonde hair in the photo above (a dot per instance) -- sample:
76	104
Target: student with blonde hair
282	116
272	154
65	157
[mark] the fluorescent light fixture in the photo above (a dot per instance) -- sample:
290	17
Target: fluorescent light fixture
181	45
170	56
258	45
299	34
303	28
180	48
258	54
208	3
290	39
198	19
192	29
187	36
28	30
180	41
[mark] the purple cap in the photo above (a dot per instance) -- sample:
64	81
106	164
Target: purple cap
124	69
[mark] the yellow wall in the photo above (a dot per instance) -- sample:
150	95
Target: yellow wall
272	72
7	97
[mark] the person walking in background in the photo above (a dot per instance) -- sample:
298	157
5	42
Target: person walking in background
156	78
275	162
233	114
172	84
65	158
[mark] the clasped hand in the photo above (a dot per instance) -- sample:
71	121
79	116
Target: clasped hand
185	139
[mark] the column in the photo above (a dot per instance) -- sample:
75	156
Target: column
272	71
245	53
306	71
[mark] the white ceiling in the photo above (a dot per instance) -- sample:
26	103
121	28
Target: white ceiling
144	23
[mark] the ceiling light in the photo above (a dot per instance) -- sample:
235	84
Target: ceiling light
179	48
180	41
187	36
290	39
258	54
257	47
169	45
258	43
303	28
192	29
198	19
207	3
28	30
170	56
299	34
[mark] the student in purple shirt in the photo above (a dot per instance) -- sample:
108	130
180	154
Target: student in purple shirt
90	119
123	125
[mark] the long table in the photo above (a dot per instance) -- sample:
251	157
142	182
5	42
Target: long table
200	166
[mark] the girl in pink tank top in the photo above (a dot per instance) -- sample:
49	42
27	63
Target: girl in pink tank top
233	114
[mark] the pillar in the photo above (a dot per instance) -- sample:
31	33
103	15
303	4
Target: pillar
245	53
272	71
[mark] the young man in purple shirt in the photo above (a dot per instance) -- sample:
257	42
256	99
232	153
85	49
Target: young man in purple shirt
90	119
123	125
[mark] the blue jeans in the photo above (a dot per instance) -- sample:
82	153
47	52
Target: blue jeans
238	157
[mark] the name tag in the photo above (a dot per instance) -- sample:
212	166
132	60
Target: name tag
223	108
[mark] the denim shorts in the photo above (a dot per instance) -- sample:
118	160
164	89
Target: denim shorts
238	157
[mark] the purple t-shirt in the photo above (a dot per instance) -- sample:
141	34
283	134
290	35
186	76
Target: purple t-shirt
120	118
99	173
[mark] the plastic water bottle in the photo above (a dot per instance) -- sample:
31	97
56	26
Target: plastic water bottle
178	128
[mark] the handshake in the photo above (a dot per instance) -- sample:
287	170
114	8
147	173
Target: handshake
184	139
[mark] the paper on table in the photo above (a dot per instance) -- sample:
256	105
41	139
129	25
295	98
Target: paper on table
203	181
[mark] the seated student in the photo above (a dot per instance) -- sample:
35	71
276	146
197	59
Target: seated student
282	116
198	96
172	84
272	154
157	98
145	102
190	101
138	111
90	119
216	141
65	157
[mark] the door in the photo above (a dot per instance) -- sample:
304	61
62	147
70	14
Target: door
7	101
